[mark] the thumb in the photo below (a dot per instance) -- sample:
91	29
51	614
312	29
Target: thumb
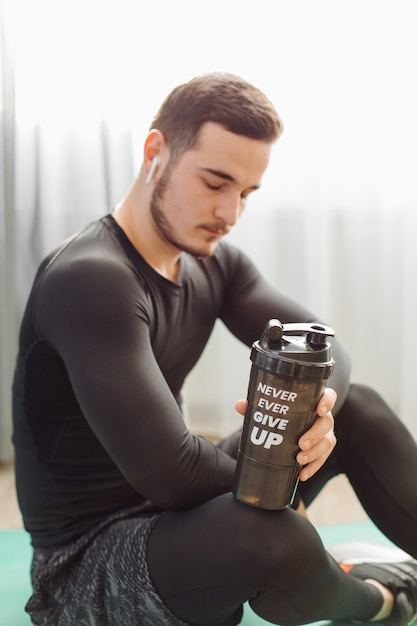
240	406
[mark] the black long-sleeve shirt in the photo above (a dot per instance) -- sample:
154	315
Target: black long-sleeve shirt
105	346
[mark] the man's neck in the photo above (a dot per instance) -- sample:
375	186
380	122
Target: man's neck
138	229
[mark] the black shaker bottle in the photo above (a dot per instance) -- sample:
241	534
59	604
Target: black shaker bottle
290	366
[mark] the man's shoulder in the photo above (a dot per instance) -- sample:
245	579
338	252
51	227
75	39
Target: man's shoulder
95	248
90	262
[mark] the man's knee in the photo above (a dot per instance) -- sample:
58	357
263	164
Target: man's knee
277	542
364	406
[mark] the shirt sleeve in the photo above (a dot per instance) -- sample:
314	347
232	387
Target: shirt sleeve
96	319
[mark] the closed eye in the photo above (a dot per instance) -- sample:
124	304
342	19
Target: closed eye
225	178
213	187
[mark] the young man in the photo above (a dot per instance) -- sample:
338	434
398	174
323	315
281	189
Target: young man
131	516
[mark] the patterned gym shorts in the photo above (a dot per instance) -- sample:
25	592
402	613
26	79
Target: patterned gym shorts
101	579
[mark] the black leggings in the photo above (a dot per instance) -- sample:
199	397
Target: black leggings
206	562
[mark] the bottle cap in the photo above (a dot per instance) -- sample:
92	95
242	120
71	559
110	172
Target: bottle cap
295	350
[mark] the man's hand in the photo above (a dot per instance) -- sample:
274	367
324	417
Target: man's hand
317	444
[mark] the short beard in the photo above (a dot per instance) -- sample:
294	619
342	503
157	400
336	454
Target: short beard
162	225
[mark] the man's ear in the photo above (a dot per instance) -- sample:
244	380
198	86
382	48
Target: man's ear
155	145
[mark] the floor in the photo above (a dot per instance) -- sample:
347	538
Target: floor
336	504
9	511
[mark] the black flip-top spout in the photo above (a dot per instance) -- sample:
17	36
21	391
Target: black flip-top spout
274	331
301	349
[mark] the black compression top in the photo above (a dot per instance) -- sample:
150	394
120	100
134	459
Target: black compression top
105	346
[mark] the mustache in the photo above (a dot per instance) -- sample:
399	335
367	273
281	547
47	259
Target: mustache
219	227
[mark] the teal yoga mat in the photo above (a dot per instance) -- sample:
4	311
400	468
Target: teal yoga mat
15	554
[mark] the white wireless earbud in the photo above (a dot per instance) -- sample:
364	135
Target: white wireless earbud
152	169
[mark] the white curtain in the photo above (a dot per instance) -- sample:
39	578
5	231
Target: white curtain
334	224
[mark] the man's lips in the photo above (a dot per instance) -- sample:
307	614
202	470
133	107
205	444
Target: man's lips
215	231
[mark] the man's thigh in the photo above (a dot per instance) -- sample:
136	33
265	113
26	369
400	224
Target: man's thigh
212	558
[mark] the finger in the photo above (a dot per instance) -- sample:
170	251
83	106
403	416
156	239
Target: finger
322	425
326	447
327	401
240	406
320	449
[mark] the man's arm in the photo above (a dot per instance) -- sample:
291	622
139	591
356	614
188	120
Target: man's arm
94	319
251	301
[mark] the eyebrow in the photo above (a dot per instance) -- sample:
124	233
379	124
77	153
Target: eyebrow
225	176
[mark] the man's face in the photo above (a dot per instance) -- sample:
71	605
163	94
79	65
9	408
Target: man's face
196	203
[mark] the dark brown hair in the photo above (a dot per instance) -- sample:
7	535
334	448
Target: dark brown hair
222	98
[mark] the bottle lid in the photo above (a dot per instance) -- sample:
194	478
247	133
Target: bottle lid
295	350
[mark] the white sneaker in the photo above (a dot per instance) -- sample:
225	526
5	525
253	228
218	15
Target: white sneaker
357	552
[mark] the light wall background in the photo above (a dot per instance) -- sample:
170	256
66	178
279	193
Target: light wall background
335	222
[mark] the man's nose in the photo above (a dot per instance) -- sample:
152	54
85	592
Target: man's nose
230	209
